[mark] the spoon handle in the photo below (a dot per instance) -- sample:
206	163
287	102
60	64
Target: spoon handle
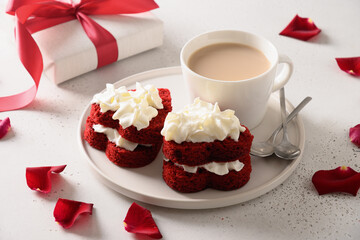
290	117
283	113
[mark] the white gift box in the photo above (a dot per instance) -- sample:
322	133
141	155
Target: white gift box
68	52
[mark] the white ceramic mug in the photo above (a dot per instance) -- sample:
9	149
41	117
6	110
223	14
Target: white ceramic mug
247	97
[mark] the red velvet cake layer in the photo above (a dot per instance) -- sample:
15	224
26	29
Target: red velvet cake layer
182	181
141	156
193	154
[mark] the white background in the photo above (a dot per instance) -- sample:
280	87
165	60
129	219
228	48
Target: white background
45	132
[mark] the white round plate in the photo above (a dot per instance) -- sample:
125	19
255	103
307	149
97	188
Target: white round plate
146	184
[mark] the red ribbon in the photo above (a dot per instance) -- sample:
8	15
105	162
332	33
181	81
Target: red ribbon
35	15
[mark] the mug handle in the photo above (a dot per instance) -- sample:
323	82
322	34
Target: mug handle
283	77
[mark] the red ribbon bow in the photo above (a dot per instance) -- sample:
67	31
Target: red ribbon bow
35	15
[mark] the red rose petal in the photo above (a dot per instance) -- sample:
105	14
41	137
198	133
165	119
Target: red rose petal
354	134
341	179
350	65
301	28
4	127
38	178
66	211
140	220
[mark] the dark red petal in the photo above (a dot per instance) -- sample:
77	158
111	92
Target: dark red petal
38	178
301	28
140	220
4	127
341	179
66	211
354	134
350	65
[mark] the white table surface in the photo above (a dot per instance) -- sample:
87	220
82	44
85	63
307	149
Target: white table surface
44	133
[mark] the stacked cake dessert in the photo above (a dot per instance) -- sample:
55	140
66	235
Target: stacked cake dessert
205	147
127	124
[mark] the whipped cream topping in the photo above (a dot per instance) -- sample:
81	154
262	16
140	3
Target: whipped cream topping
219	168
135	108
201	122
114	136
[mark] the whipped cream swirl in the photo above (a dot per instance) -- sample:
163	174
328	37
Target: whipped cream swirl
135	108
201	122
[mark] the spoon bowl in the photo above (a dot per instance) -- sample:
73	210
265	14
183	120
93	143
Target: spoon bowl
262	149
286	150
